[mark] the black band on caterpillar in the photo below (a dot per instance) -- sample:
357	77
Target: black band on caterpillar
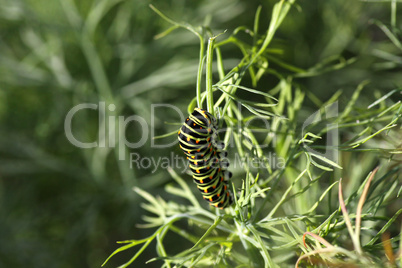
198	140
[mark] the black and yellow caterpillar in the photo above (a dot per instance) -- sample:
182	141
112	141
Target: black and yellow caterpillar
199	141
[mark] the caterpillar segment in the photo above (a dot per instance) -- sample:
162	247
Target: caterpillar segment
207	161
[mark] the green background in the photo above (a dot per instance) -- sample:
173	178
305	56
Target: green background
62	206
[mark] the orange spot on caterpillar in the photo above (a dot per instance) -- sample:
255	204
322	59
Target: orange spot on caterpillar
198	171
197	141
210	199
188	138
201	181
218	195
205	191
178	132
194	124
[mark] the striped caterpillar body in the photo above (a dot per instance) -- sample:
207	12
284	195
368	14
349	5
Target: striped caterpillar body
199	141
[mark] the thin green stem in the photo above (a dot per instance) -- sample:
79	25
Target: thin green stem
393	13
210	93
278	14
256	24
199	74
284	196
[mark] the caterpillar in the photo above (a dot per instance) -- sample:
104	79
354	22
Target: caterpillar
199	141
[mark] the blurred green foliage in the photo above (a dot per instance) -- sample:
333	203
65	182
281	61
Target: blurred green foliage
62	206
